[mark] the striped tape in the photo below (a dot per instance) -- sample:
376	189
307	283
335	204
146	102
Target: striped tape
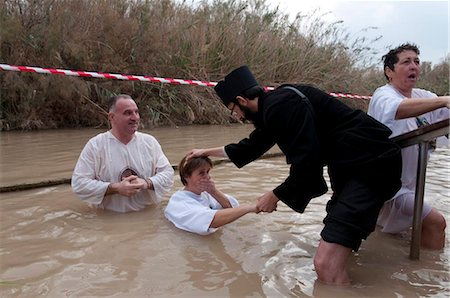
114	76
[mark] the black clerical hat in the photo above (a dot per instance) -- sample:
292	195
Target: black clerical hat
235	83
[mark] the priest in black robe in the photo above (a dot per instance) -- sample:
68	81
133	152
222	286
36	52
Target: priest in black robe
314	130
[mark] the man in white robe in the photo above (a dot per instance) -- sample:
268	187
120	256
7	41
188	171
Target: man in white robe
122	169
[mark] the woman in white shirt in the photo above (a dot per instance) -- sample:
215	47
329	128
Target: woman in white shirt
200	207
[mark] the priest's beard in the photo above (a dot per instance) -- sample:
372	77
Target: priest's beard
253	117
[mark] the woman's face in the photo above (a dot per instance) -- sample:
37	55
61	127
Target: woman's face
199	180
406	71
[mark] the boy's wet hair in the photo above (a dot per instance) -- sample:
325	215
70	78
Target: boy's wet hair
186	168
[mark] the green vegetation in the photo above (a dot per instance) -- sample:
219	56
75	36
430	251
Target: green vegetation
169	39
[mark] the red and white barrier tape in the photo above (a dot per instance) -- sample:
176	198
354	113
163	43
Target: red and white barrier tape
90	74
346	95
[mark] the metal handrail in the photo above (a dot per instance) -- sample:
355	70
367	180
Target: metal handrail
421	136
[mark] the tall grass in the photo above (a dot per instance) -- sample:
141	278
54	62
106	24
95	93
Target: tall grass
166	39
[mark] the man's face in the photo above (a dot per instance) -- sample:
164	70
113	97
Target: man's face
406	71
125	118
242	113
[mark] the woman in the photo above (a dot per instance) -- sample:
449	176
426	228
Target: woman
200	207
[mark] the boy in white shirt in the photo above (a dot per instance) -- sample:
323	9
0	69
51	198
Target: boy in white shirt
200	207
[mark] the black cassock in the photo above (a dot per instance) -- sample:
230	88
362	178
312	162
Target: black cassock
326	132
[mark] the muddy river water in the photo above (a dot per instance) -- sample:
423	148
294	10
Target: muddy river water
54	245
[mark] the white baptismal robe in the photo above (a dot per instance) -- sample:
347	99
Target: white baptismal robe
106	160
194	213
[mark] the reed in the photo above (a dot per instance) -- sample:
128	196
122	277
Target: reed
166	39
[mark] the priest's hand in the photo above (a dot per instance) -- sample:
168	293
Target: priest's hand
267	202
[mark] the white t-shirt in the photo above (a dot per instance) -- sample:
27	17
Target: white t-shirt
194	213
106	160
397	213
383	107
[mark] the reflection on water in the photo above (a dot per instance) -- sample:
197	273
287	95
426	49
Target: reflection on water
52	244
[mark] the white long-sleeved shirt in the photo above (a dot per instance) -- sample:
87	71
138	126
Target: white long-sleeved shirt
106	160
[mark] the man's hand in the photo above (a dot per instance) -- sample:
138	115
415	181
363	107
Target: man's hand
216	152
139	181
267	202
128	187
196	153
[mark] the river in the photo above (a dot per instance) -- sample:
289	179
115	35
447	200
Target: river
54	245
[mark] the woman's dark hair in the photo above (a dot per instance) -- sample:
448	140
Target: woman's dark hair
186	168
392	56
